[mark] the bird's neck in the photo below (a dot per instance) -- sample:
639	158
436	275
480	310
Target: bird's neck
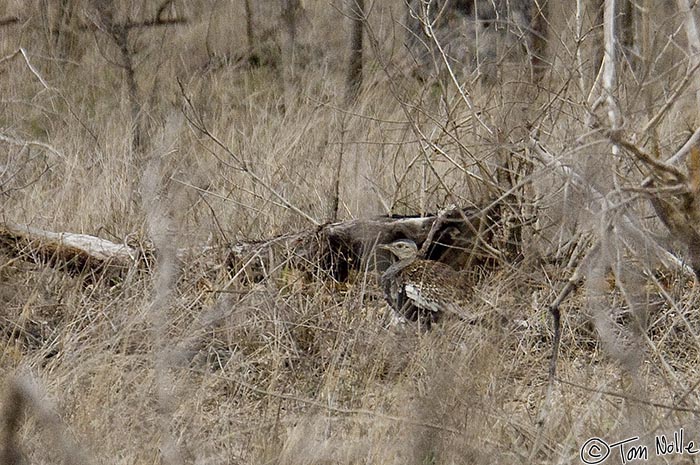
400	264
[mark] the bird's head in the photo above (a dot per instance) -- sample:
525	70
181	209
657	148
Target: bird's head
404	249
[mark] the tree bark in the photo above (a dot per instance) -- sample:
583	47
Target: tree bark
76	253
354	76
249	29
540	28
461	239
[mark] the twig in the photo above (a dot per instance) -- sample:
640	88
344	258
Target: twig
437	224
574	281
679	156
680	88
23	143
105	25
162	7
675	189
31	67
673	408
154	22
645	157
9	57
691	32
198	123
214	217
9	20
344	411
6	180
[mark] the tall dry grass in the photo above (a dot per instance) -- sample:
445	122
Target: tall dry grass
177	363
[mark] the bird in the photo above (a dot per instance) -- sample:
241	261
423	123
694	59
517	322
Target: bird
422	290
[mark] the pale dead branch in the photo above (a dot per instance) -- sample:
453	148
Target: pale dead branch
691	32
78	252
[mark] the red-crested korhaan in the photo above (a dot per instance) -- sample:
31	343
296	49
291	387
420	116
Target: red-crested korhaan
420	289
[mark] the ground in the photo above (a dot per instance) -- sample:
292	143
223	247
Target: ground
181	360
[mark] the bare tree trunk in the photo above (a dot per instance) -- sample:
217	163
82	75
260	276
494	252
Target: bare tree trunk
62	32
290	12
335	205
540	27
599	53
46	23
121	36
289	17
691	32
119	33
626	25
249	30
610	66
354	77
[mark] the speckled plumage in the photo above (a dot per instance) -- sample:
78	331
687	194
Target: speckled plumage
422	289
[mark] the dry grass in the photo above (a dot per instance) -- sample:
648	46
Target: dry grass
176	363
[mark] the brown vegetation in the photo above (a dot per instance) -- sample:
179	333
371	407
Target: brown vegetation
594	173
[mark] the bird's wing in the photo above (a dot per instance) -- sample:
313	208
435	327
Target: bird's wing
414	293
395	295
446	288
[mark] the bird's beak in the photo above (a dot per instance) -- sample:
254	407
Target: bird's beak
384	247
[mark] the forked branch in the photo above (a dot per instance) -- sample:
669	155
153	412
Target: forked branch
196	121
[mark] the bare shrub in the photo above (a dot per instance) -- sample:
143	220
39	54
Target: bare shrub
182	362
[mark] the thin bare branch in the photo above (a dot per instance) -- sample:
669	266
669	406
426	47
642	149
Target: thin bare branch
197	122
647	158
8	20
691	32
460	88
24	143
690	76
682	153
345	411
31	67
627	223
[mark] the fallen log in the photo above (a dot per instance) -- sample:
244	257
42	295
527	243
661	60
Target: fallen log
461	238
76	253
